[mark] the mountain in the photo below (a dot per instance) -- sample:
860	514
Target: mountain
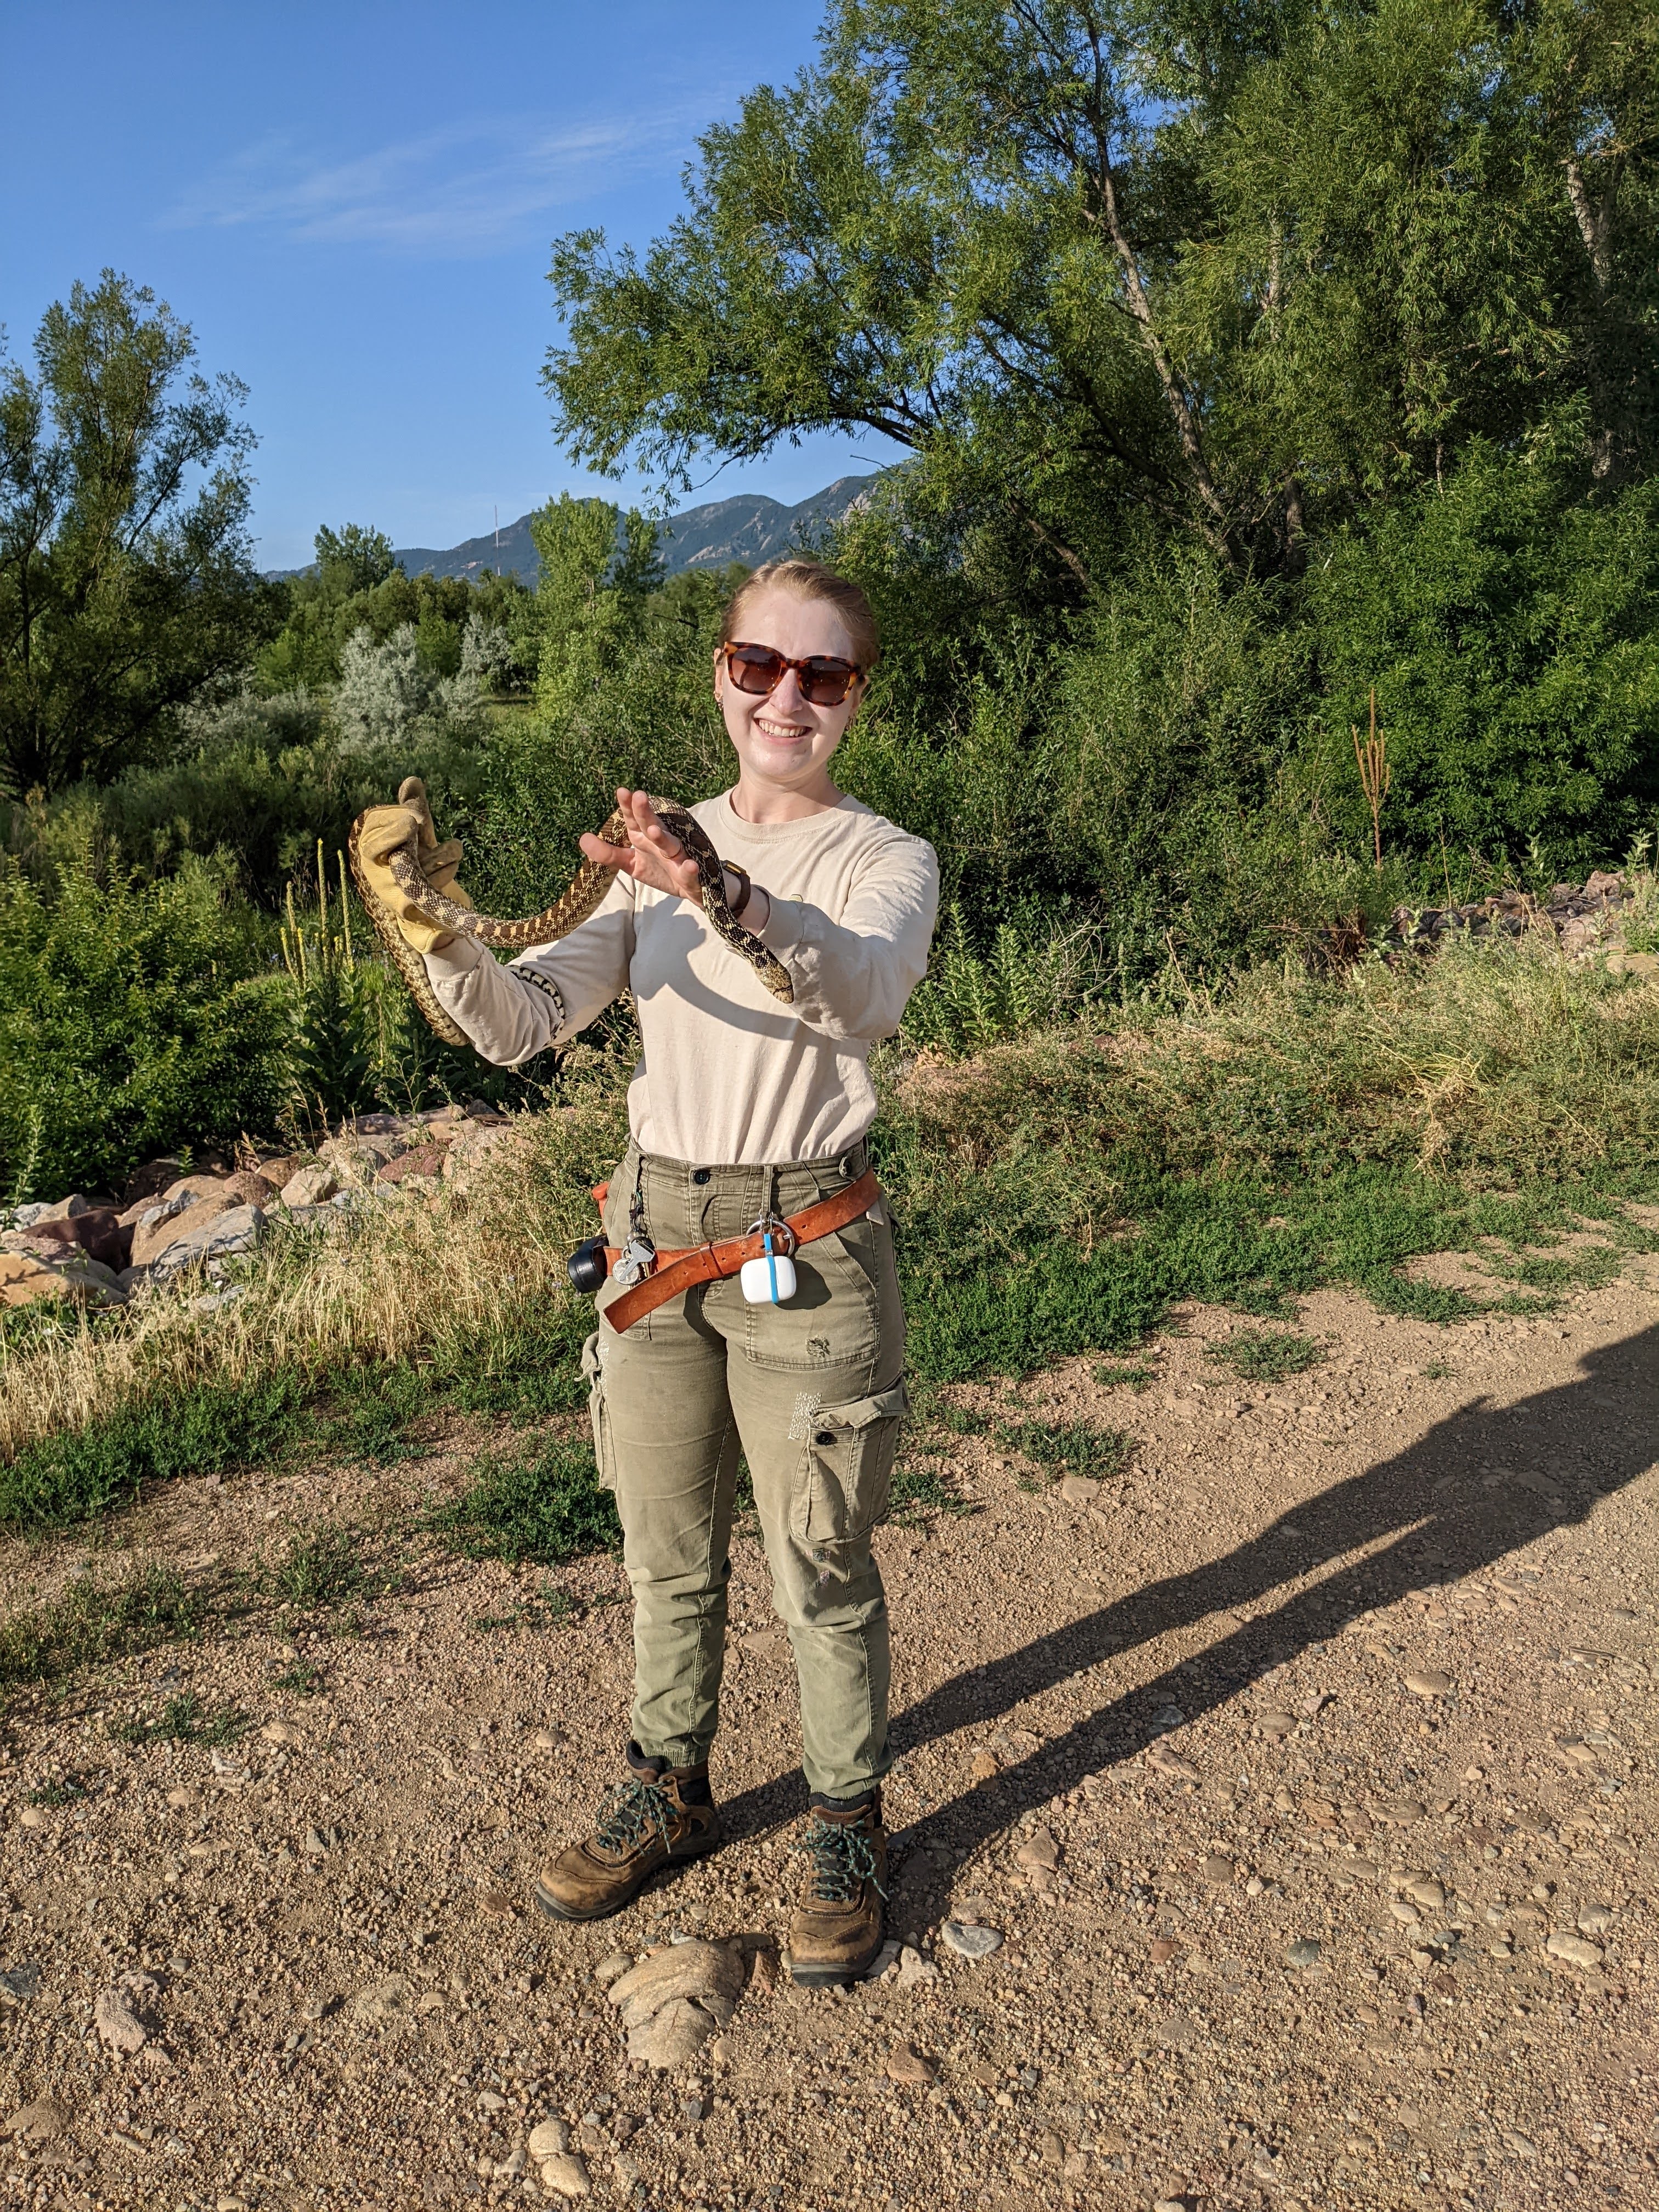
748	527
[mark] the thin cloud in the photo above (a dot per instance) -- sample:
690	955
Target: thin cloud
466	189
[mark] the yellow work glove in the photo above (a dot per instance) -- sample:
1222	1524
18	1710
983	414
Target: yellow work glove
385	828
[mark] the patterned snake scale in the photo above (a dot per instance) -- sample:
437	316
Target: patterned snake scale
587	888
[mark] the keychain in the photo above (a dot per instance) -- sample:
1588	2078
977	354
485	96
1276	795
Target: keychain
770	1280
639	1256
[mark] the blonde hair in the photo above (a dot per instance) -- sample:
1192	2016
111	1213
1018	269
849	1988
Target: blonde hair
810	579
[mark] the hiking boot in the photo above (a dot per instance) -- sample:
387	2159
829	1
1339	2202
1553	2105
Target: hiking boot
837	1930
662	1813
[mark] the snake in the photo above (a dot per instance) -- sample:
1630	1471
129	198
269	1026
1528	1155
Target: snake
568	912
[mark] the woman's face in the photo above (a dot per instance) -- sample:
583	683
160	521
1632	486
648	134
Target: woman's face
782	739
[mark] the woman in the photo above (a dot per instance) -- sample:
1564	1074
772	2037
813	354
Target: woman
743	1111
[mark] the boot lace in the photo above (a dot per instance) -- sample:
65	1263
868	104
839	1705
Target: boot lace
840	1858
632	1811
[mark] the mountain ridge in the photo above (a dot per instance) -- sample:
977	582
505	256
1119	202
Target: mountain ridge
748	526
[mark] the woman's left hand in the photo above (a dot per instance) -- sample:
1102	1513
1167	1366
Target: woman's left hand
651	856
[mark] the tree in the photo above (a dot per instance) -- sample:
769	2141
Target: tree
1238	268
352	559
126	574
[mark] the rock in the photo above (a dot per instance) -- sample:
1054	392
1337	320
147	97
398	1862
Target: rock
54	1270
62	1209
1162	1951
1397	1812
1077	1490
148	1182
914	1971
1304	1951
1169	1762
232	1230
543	1739
428	1162
98	1232
1426	1892
1427	1682
565	2175
20	1984
119	2014
1574	1950
281	1732
1273	1721
1038	1852
1407	1915
684	1970
672	2035
970	1943
491	2100
548	2139
1219	1868
611	1968
983	1766
184	1799
310	1186
43	2121
908	2067
499	1905
883	1960
1595	1920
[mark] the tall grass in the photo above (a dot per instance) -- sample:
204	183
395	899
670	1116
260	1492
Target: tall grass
1054	1194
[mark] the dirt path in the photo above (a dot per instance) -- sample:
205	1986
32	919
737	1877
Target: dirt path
1352	1670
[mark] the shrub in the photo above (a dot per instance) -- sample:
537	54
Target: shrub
132	1018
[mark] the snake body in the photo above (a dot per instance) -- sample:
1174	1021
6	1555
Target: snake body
586	889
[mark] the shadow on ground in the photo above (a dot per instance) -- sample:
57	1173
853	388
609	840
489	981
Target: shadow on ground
1424	1514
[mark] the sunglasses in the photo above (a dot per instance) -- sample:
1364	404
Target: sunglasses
757	669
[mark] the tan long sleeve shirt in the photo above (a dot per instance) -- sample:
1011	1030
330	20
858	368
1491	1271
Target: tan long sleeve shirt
728	1075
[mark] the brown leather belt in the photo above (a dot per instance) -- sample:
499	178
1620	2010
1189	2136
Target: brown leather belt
711	1263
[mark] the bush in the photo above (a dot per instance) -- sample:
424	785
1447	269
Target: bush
133	1018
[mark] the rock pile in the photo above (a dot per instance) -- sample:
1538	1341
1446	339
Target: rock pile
1585	918
103	1252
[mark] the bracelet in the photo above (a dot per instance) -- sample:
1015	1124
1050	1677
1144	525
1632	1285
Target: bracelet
745	888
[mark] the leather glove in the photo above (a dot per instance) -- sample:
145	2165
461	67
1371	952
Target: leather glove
384	828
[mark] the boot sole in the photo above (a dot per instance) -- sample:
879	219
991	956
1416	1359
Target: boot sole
557	1908
823	1978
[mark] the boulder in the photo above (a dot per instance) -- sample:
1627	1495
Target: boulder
180	1214
63	1209
243	1188
428	1161
226	1231
99	1231
149	1181
310	1186
65	1271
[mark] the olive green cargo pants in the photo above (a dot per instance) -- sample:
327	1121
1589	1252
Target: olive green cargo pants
810	1394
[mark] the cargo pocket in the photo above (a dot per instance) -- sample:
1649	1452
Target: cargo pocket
847	1467
604	1455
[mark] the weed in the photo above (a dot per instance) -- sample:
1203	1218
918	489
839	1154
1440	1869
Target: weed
1125	1375
183	1719
1069	1446
1438	1371
1256	1355
548	1507
60	1790
300	1680
321	1571
918	1489
93	1620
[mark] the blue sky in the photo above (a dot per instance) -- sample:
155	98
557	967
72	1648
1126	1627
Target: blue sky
352	205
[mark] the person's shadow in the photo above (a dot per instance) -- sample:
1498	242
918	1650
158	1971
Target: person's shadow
1481	1484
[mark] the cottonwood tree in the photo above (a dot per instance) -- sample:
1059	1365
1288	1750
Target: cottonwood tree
1230	269
126	574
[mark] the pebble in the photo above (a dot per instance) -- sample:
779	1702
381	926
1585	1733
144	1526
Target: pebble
983	1765
1273	1722
1171	1763
1426	1892
1595	1920
914	1970
1162	1951
543	1739
1407	1914
1304	1951
548	2139
611	1968
42	2122
184	1799
1427	1682
883	1960
491	2100
498	1904
970	1943
1574	1950
565	2176
908	2066
34	1816
1219	1869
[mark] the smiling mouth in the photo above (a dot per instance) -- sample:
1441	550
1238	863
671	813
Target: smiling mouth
785	730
